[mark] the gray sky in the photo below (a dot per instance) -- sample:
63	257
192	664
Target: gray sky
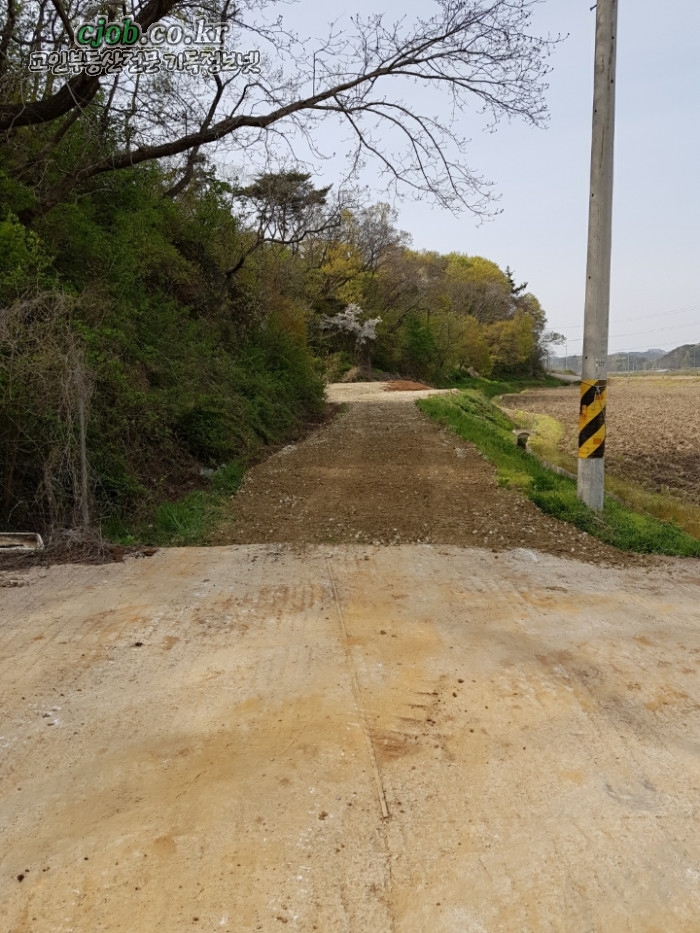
542	176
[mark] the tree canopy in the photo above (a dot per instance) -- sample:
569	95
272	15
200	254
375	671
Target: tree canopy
61	131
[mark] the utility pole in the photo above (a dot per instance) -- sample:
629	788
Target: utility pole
594	364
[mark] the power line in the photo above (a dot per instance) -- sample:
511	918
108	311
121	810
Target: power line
657	330
634	333
639	348
638	317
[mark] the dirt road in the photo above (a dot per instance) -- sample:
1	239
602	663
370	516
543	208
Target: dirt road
383	473
419	738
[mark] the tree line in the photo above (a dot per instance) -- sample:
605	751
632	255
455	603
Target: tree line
160	312
142	335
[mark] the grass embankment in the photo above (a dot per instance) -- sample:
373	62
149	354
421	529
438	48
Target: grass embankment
491	387
471	415
192	520
268	397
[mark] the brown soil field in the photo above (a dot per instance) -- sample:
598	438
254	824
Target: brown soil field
653	429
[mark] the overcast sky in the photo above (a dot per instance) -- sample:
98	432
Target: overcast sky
542	175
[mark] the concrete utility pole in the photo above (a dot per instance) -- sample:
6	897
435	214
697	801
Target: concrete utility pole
594	365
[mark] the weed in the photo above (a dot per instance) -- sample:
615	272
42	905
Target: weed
491	387
187	522
182	522
546	442
227	480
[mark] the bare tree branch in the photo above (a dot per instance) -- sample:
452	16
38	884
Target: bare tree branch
6	34
64	19
77	92
470	52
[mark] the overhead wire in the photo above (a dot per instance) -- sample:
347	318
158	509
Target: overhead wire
657	330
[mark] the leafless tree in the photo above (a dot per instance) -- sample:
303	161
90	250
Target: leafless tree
472	54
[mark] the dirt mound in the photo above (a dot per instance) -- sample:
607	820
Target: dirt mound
406	385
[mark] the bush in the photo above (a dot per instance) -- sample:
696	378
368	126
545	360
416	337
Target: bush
128	286
209	431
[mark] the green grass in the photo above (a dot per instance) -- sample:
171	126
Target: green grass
491	387
471	415
187	522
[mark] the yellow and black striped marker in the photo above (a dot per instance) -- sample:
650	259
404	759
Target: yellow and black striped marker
591	424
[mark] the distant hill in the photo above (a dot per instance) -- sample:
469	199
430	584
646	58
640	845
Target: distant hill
685	357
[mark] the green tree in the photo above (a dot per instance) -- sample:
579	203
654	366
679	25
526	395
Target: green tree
462	345
419	349
511	343
478	287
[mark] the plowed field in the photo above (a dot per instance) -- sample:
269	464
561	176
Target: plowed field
653	429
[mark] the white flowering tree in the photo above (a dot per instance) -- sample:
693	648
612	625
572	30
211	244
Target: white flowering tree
349	322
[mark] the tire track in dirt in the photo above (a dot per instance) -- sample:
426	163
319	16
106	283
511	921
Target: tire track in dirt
206	766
